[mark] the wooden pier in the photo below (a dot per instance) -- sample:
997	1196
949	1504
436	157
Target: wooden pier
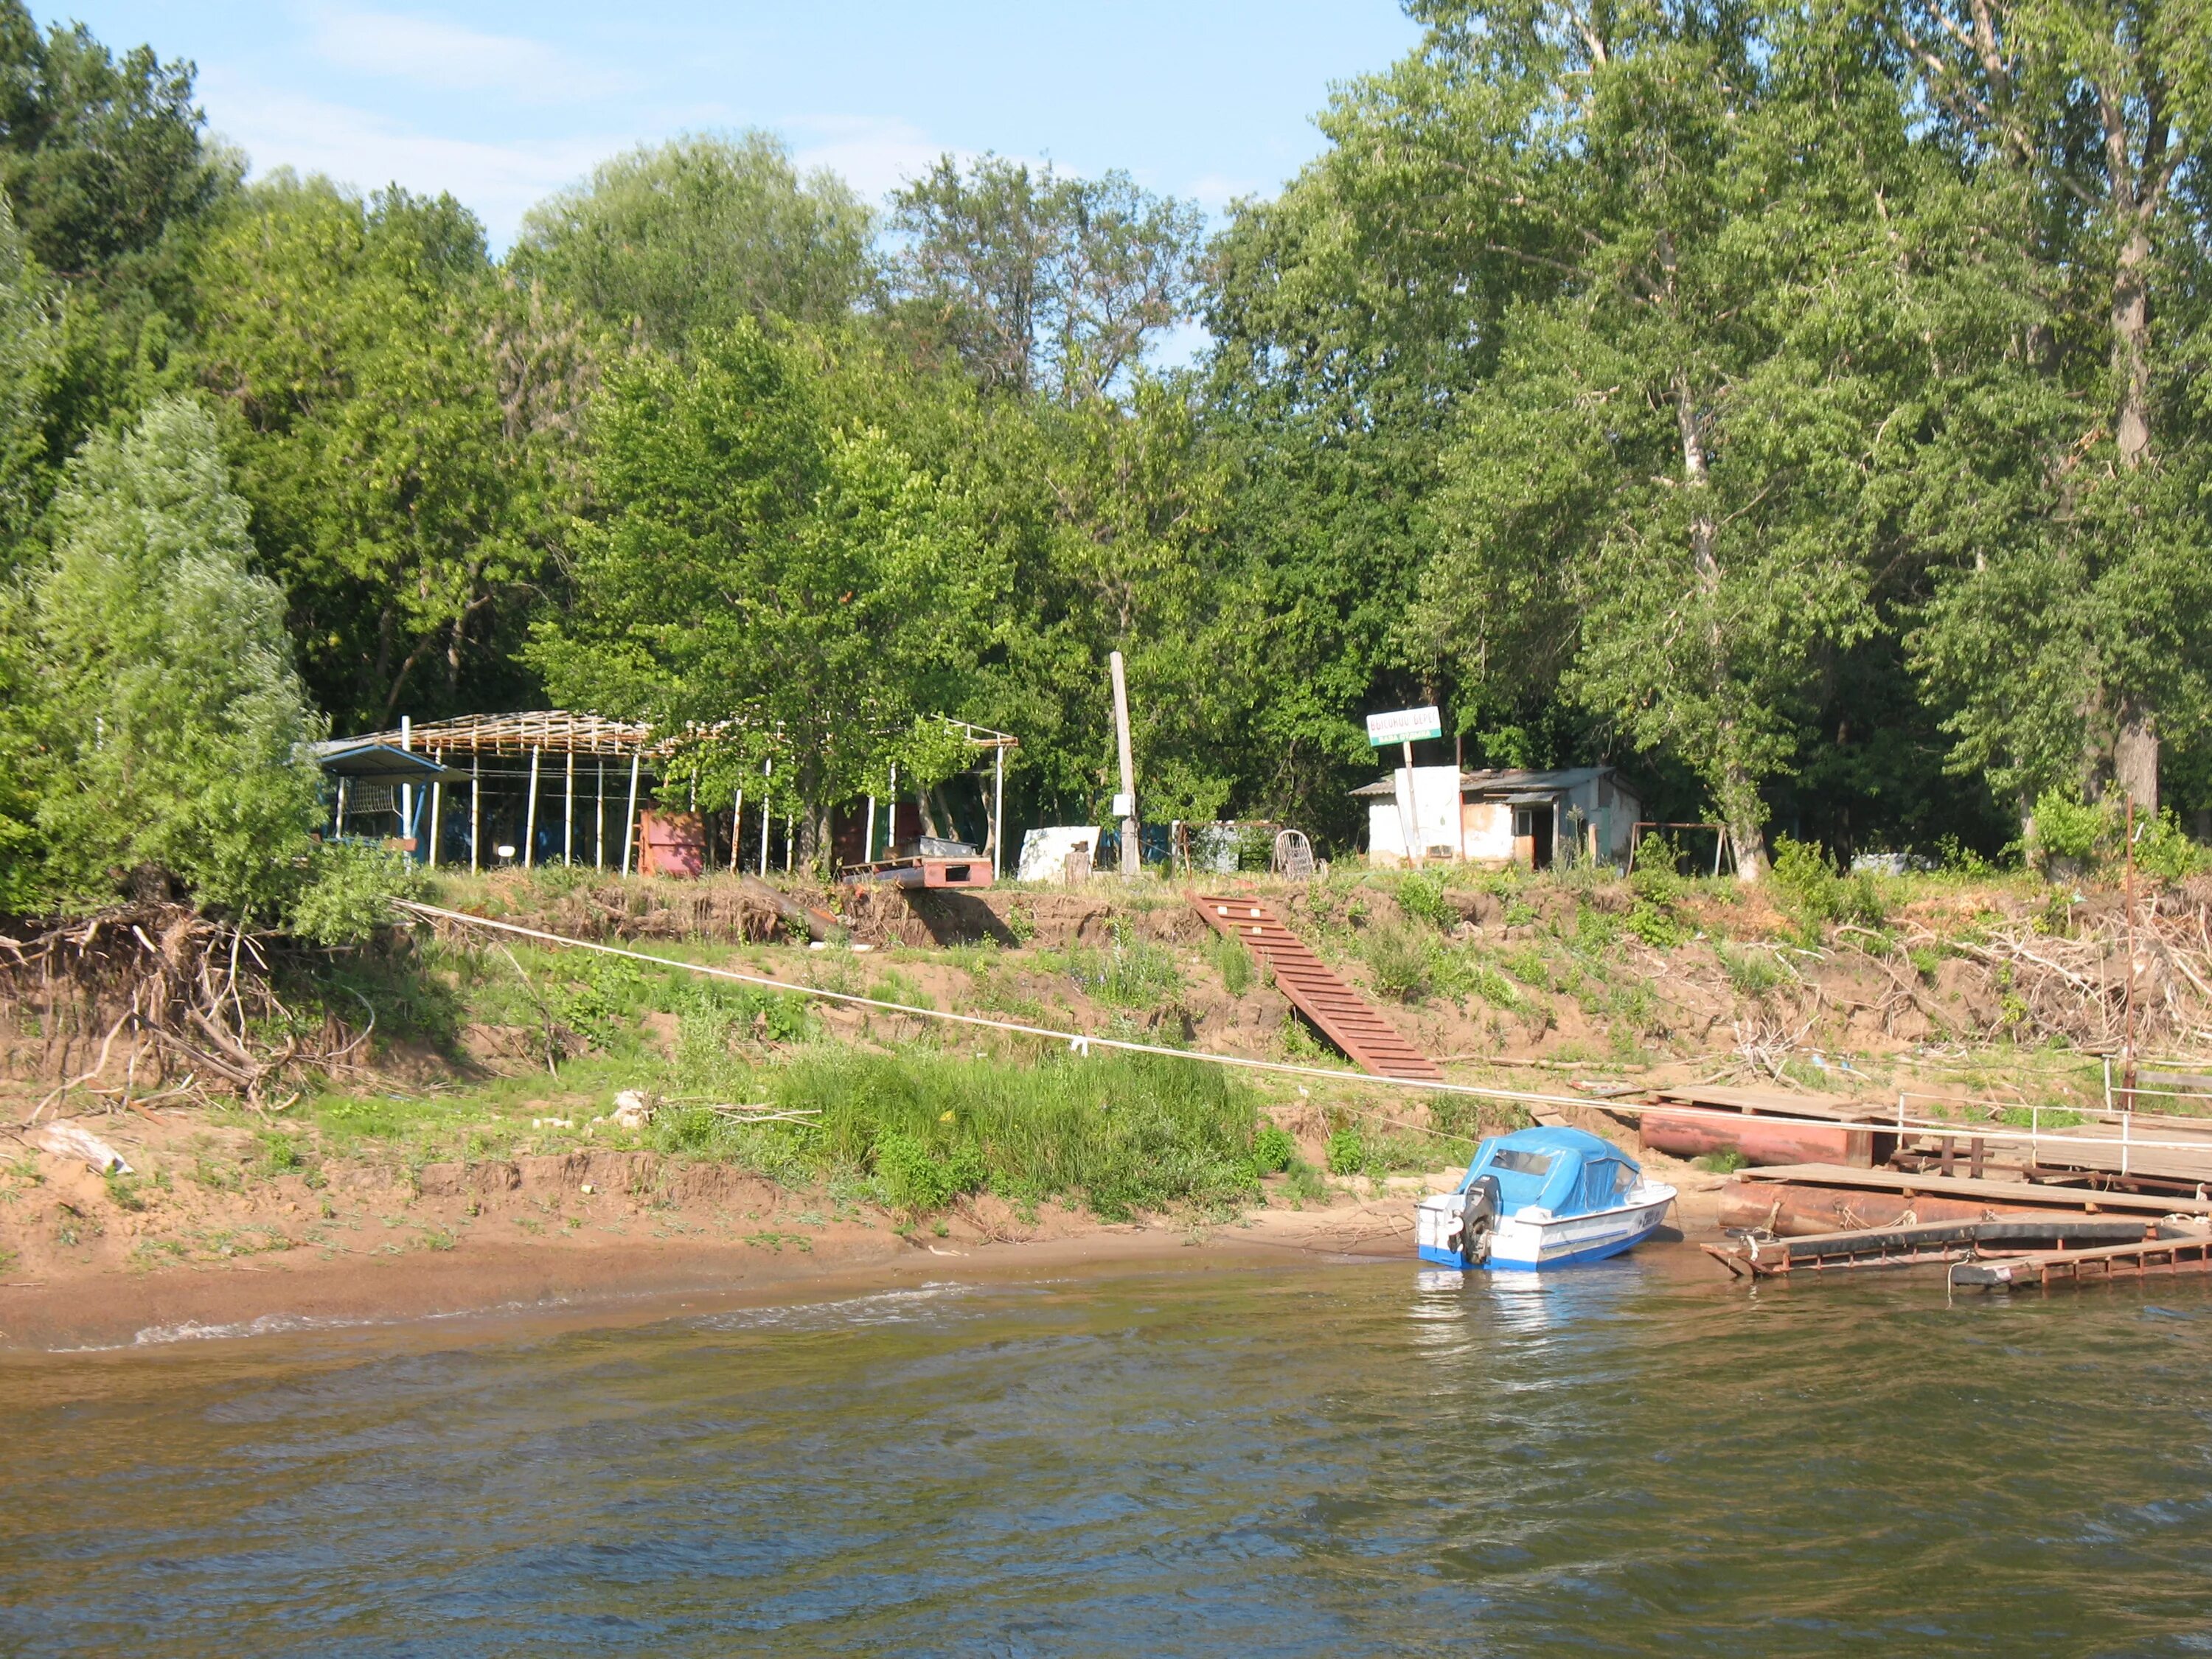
1937	1244
2187	1254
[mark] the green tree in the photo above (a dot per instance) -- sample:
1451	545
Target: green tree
1658	499
103	162
1343	338
1042	283
407	427
30	362
755	568
698	234
2079	640
172	715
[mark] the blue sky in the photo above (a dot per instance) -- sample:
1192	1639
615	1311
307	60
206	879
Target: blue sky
501	103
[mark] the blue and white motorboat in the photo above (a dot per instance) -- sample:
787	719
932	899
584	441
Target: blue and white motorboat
1541	1198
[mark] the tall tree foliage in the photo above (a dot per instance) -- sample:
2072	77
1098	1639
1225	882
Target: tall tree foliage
406	424
755	566
30	363
1662	499
700	232
103	163
1042	282
170	714
2078	640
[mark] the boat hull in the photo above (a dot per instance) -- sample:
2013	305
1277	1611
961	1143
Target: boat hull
1540	1243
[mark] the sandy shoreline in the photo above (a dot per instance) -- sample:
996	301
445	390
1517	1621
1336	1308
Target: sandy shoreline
616	1281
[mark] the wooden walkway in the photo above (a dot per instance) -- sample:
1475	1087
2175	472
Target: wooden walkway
2043	1268
1315	990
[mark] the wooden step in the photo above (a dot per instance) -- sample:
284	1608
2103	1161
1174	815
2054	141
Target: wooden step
1344	1017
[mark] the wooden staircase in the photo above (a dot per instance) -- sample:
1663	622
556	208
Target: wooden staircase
1344	1016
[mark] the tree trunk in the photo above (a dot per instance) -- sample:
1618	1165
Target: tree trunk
2131	346
2134	761
1738	791
1741	810
816	848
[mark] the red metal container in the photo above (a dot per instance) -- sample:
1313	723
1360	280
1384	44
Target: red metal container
672	843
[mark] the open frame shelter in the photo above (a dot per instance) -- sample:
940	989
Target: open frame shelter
499	770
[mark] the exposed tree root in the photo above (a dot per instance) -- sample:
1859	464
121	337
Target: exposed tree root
155	997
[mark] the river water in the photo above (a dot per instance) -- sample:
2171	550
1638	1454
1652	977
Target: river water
1640	1458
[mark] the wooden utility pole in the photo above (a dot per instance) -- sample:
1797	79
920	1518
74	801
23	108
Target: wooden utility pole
2128	1030
1131	860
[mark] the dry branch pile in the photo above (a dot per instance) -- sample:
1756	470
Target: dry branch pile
2116	978
2105	981
153	999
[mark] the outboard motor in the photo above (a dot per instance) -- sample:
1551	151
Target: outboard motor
1478	1220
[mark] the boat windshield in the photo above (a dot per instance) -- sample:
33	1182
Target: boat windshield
1522	1162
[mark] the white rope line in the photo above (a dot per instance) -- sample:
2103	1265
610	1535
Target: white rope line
1083	1042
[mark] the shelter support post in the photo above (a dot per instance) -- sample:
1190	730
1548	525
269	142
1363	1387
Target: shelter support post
789	841
530	816
406	790
868	840
476	809
600	822
737	829
338	824
568	815
767	771
629	818
998	810
437	811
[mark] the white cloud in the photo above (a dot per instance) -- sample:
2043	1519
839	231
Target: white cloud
874	155
497	181
1214	193
450	58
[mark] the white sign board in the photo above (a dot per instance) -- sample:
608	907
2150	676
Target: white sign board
1404	726
1044	852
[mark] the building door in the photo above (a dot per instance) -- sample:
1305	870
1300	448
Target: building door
1532	834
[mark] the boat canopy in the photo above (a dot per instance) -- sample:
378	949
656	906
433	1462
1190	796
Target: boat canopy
1566	1171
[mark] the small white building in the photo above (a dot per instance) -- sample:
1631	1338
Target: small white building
1502	816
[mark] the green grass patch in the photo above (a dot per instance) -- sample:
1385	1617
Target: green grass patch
1122	1132
1130	973
1752	973
1232	961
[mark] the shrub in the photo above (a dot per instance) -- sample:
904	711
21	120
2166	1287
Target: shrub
1347	1154
1274	1149
1752	973
1658	888
1232	962
1959	859
919	1178
1817	893
2068	827
1403	963
1422	897
174	722
349	891
2164	849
